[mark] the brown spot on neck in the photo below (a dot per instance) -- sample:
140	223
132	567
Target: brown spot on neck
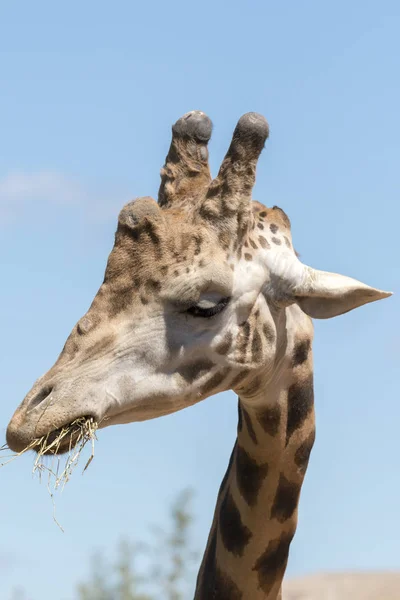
303	452
286	499
234	534
270	566
300	403
270	419
212	582
301	352
249	424
249	475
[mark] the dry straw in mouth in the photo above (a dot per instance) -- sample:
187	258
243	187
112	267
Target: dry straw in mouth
80	432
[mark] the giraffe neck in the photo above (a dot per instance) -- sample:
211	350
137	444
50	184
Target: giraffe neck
256	512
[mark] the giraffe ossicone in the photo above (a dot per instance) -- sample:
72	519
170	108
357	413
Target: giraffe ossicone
203	292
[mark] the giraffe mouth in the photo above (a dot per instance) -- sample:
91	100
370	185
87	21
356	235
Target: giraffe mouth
64	439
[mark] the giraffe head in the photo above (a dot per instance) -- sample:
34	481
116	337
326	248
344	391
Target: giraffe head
193	292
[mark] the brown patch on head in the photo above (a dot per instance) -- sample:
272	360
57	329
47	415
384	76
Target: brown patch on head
224	346
119	299
239	378
243	339
253	244
256	347
269	333
264	242
280	215
193	371
271	565
152	286
102	346
248	256
249	475
224	239
215	381
71	347
277	220
198	240
234	534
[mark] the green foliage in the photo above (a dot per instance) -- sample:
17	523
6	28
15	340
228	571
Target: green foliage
171	560
98	588
170	574
18	594
174	560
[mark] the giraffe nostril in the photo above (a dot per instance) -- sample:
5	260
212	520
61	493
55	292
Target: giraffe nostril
40	396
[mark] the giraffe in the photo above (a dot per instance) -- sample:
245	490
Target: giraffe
204	292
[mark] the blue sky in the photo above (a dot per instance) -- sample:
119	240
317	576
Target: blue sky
88	94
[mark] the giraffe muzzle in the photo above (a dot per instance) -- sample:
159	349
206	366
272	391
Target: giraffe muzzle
47	409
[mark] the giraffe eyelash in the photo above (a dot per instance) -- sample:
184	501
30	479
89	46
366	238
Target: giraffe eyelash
207	313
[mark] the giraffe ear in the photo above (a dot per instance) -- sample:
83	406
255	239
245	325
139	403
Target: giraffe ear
324	295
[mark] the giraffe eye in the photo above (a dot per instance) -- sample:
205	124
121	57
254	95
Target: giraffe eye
207	309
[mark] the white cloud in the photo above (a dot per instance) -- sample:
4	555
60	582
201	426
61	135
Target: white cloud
22	190
50	186
42	190
7	561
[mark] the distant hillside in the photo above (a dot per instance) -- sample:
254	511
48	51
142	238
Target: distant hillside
344	586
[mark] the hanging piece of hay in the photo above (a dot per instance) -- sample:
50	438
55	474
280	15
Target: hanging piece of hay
79	433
